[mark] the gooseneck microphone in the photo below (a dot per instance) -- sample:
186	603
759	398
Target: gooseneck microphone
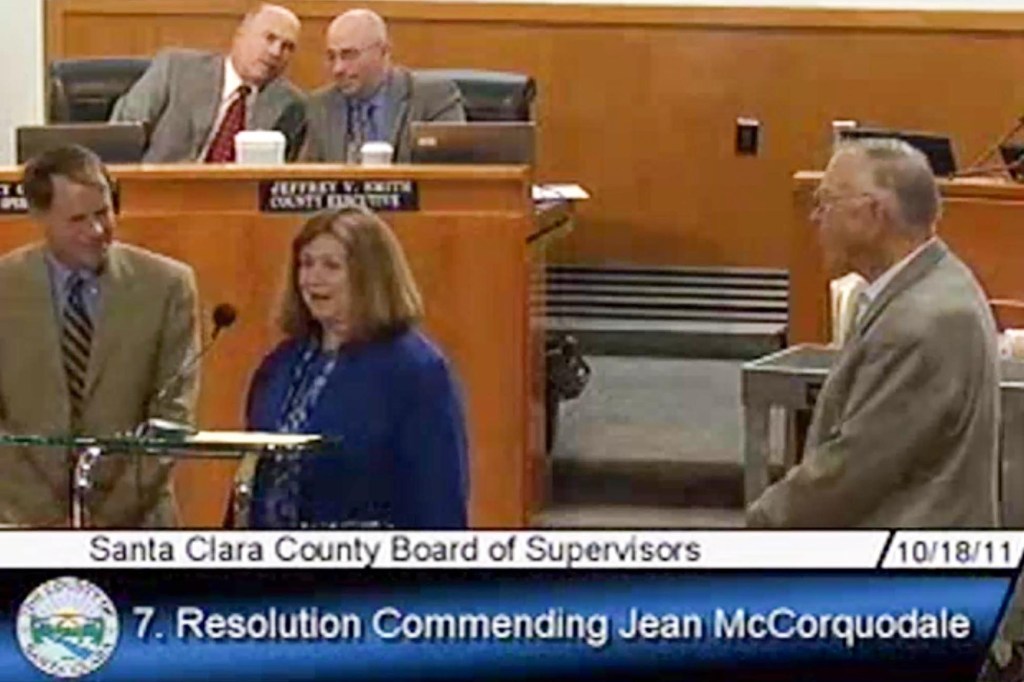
1010	168
978	167
224	315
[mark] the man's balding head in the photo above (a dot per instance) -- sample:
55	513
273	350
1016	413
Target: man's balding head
877	201
264	43
363	23
358	52
902	172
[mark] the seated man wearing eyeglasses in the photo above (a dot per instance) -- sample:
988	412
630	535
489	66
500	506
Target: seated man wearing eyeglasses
371	99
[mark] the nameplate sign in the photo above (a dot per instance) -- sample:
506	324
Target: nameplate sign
12	199
305	196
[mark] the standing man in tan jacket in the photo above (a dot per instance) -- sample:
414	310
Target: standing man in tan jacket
95	338
905	429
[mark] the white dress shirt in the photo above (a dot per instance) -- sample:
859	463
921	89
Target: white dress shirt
875	288
232	81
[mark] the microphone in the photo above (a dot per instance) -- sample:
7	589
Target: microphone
224	315
976	167
1009	168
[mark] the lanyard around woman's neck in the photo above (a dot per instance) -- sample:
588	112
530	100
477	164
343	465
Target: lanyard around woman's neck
305	388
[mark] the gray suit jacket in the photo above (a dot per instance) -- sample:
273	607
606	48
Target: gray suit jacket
411	97
178	98
905	429
144	330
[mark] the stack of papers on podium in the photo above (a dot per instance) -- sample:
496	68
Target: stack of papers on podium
253	438
555	192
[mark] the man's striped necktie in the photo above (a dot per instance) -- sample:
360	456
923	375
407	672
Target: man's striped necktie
222	146
76	342
361	129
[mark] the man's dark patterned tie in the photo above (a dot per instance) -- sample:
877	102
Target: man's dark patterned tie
76	341
360	121
222	147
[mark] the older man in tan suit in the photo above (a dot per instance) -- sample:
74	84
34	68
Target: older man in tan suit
905	429
95	338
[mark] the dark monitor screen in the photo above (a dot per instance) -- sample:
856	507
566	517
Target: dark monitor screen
495	142
112	142
1013	157
937	148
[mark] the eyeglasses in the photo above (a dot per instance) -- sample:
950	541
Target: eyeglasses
823	201
350	54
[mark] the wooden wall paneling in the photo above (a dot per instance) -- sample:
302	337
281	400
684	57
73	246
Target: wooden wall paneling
639	104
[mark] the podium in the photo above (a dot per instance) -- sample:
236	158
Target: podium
982	221
791	379
86	452
467	232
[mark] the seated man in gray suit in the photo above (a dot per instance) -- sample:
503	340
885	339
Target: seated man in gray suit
195	102
370	99
905	429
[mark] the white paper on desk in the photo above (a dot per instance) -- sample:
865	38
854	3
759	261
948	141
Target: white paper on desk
252	438
553	192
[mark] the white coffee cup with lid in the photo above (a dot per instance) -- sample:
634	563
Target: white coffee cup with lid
376	153
259	147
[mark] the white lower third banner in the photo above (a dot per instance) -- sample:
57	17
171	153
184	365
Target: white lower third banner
678	550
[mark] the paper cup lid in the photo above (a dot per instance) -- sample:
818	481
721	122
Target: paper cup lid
376	147
262	136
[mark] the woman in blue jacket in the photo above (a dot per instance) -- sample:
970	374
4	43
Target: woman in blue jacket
354	365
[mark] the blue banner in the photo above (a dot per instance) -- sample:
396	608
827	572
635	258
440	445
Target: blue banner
126	626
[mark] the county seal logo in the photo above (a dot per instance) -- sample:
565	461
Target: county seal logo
67	627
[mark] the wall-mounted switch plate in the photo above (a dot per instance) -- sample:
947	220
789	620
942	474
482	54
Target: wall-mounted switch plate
748	136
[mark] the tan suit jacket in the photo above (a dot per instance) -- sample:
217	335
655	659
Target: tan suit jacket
144	332
905	429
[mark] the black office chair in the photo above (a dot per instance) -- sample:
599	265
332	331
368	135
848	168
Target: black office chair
491	95
85	90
